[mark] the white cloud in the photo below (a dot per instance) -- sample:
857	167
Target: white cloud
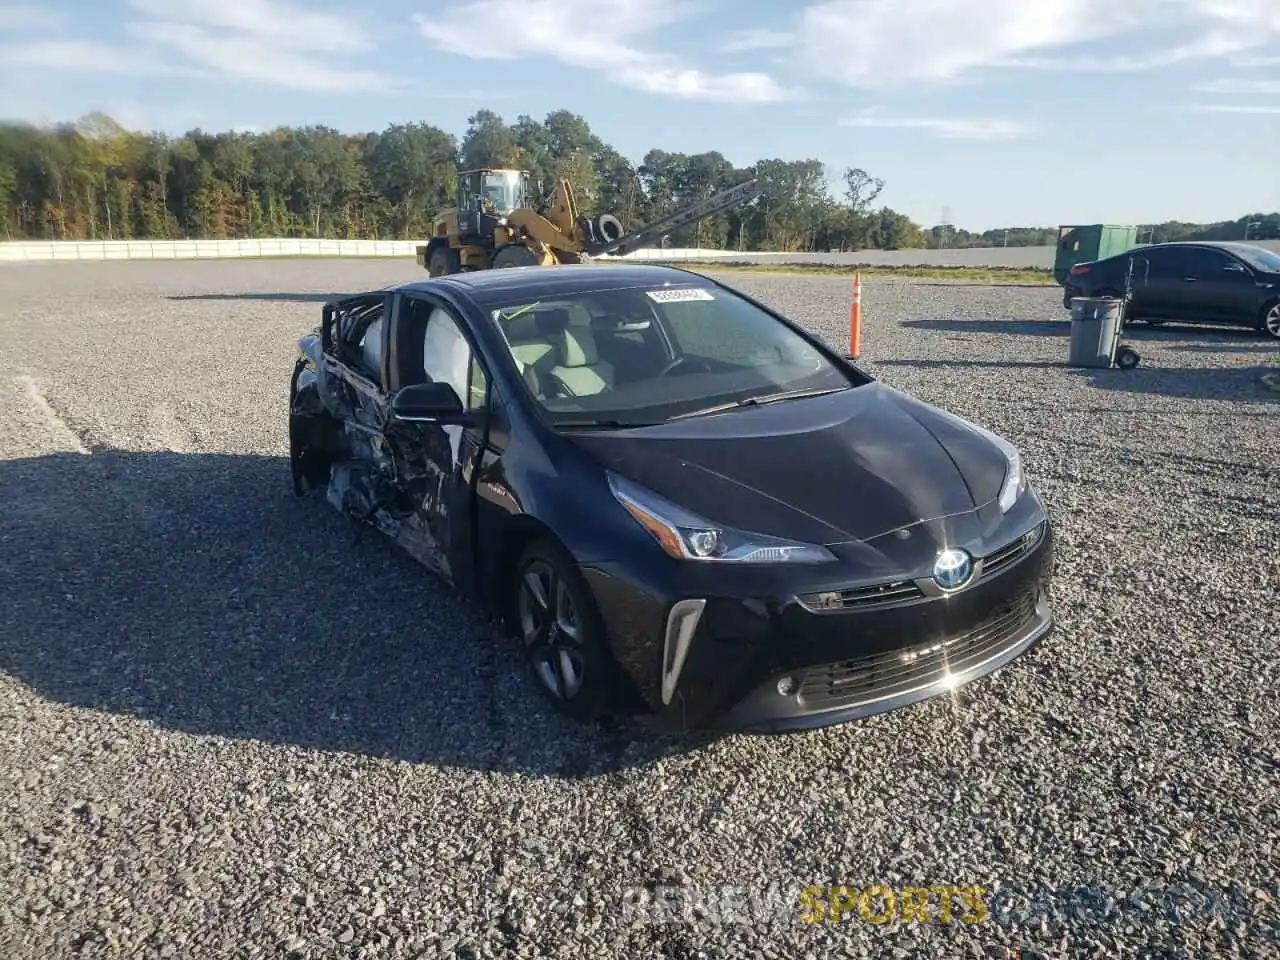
28	17
1239	85
1246	62
293	26
872	43
1211	46
878	43
277	43
756	39
1237	108
947	128
596	35
274	42
80	55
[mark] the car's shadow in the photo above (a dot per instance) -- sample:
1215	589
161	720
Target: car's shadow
283	297
195	591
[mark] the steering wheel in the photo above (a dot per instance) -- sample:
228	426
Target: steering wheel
685	359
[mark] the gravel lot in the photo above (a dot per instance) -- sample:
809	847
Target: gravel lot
229	726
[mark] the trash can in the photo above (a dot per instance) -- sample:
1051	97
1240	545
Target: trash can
1095	331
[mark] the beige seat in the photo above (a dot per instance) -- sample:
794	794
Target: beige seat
580	368
533	340
536	353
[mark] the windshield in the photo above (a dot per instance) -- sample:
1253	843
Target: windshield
504	190
1259	257
646	355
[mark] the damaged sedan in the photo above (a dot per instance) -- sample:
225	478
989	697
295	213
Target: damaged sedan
682	505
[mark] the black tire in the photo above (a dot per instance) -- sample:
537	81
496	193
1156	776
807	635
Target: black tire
1269	320
514	255
562	639
609	228
1127	358
443	260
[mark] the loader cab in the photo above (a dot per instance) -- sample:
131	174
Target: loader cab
485	195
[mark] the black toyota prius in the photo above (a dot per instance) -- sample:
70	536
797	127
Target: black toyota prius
680	503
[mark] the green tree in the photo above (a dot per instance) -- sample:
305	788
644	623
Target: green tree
92	178
488	142
412	166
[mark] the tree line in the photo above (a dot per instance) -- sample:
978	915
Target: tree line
93	179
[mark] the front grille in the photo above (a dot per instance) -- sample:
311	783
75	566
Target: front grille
1008	555
856	597
884	675
903	591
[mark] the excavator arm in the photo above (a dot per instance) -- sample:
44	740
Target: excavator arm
742	193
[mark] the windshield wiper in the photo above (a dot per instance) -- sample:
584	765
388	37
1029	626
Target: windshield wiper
760	400
601	424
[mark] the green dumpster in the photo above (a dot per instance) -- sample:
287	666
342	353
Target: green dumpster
1078	244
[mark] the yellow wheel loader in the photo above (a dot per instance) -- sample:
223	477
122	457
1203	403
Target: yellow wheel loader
494	225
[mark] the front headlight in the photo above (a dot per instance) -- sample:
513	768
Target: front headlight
1015	478
686	536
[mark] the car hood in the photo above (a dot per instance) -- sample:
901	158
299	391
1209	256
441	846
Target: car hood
845	467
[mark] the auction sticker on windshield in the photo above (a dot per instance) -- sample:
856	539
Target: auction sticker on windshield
679	296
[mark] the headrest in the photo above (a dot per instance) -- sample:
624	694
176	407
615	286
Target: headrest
578	348
550	322
536	325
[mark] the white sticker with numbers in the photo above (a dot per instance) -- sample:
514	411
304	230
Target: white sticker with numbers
679	296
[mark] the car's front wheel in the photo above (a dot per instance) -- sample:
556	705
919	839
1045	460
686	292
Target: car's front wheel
1270	323
562	631
444	261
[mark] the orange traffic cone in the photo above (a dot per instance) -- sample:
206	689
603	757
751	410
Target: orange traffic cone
855	318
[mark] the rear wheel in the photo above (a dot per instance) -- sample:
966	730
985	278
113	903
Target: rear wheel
562	631
443	260
1270	320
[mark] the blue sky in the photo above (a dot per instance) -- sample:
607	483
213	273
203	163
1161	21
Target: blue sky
1002	112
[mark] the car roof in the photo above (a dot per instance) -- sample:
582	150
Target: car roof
485	286
1228	245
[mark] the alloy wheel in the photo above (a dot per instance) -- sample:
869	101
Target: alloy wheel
1271	321
552	630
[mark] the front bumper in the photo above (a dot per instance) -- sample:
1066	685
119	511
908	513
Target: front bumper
880	652
863	686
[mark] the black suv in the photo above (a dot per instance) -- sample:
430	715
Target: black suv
1227	283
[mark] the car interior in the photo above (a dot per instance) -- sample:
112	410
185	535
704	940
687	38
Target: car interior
584	350
563	350
427	349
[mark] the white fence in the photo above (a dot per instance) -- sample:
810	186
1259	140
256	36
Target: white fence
200	249
23	250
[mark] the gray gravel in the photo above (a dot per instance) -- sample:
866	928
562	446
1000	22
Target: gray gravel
229	726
